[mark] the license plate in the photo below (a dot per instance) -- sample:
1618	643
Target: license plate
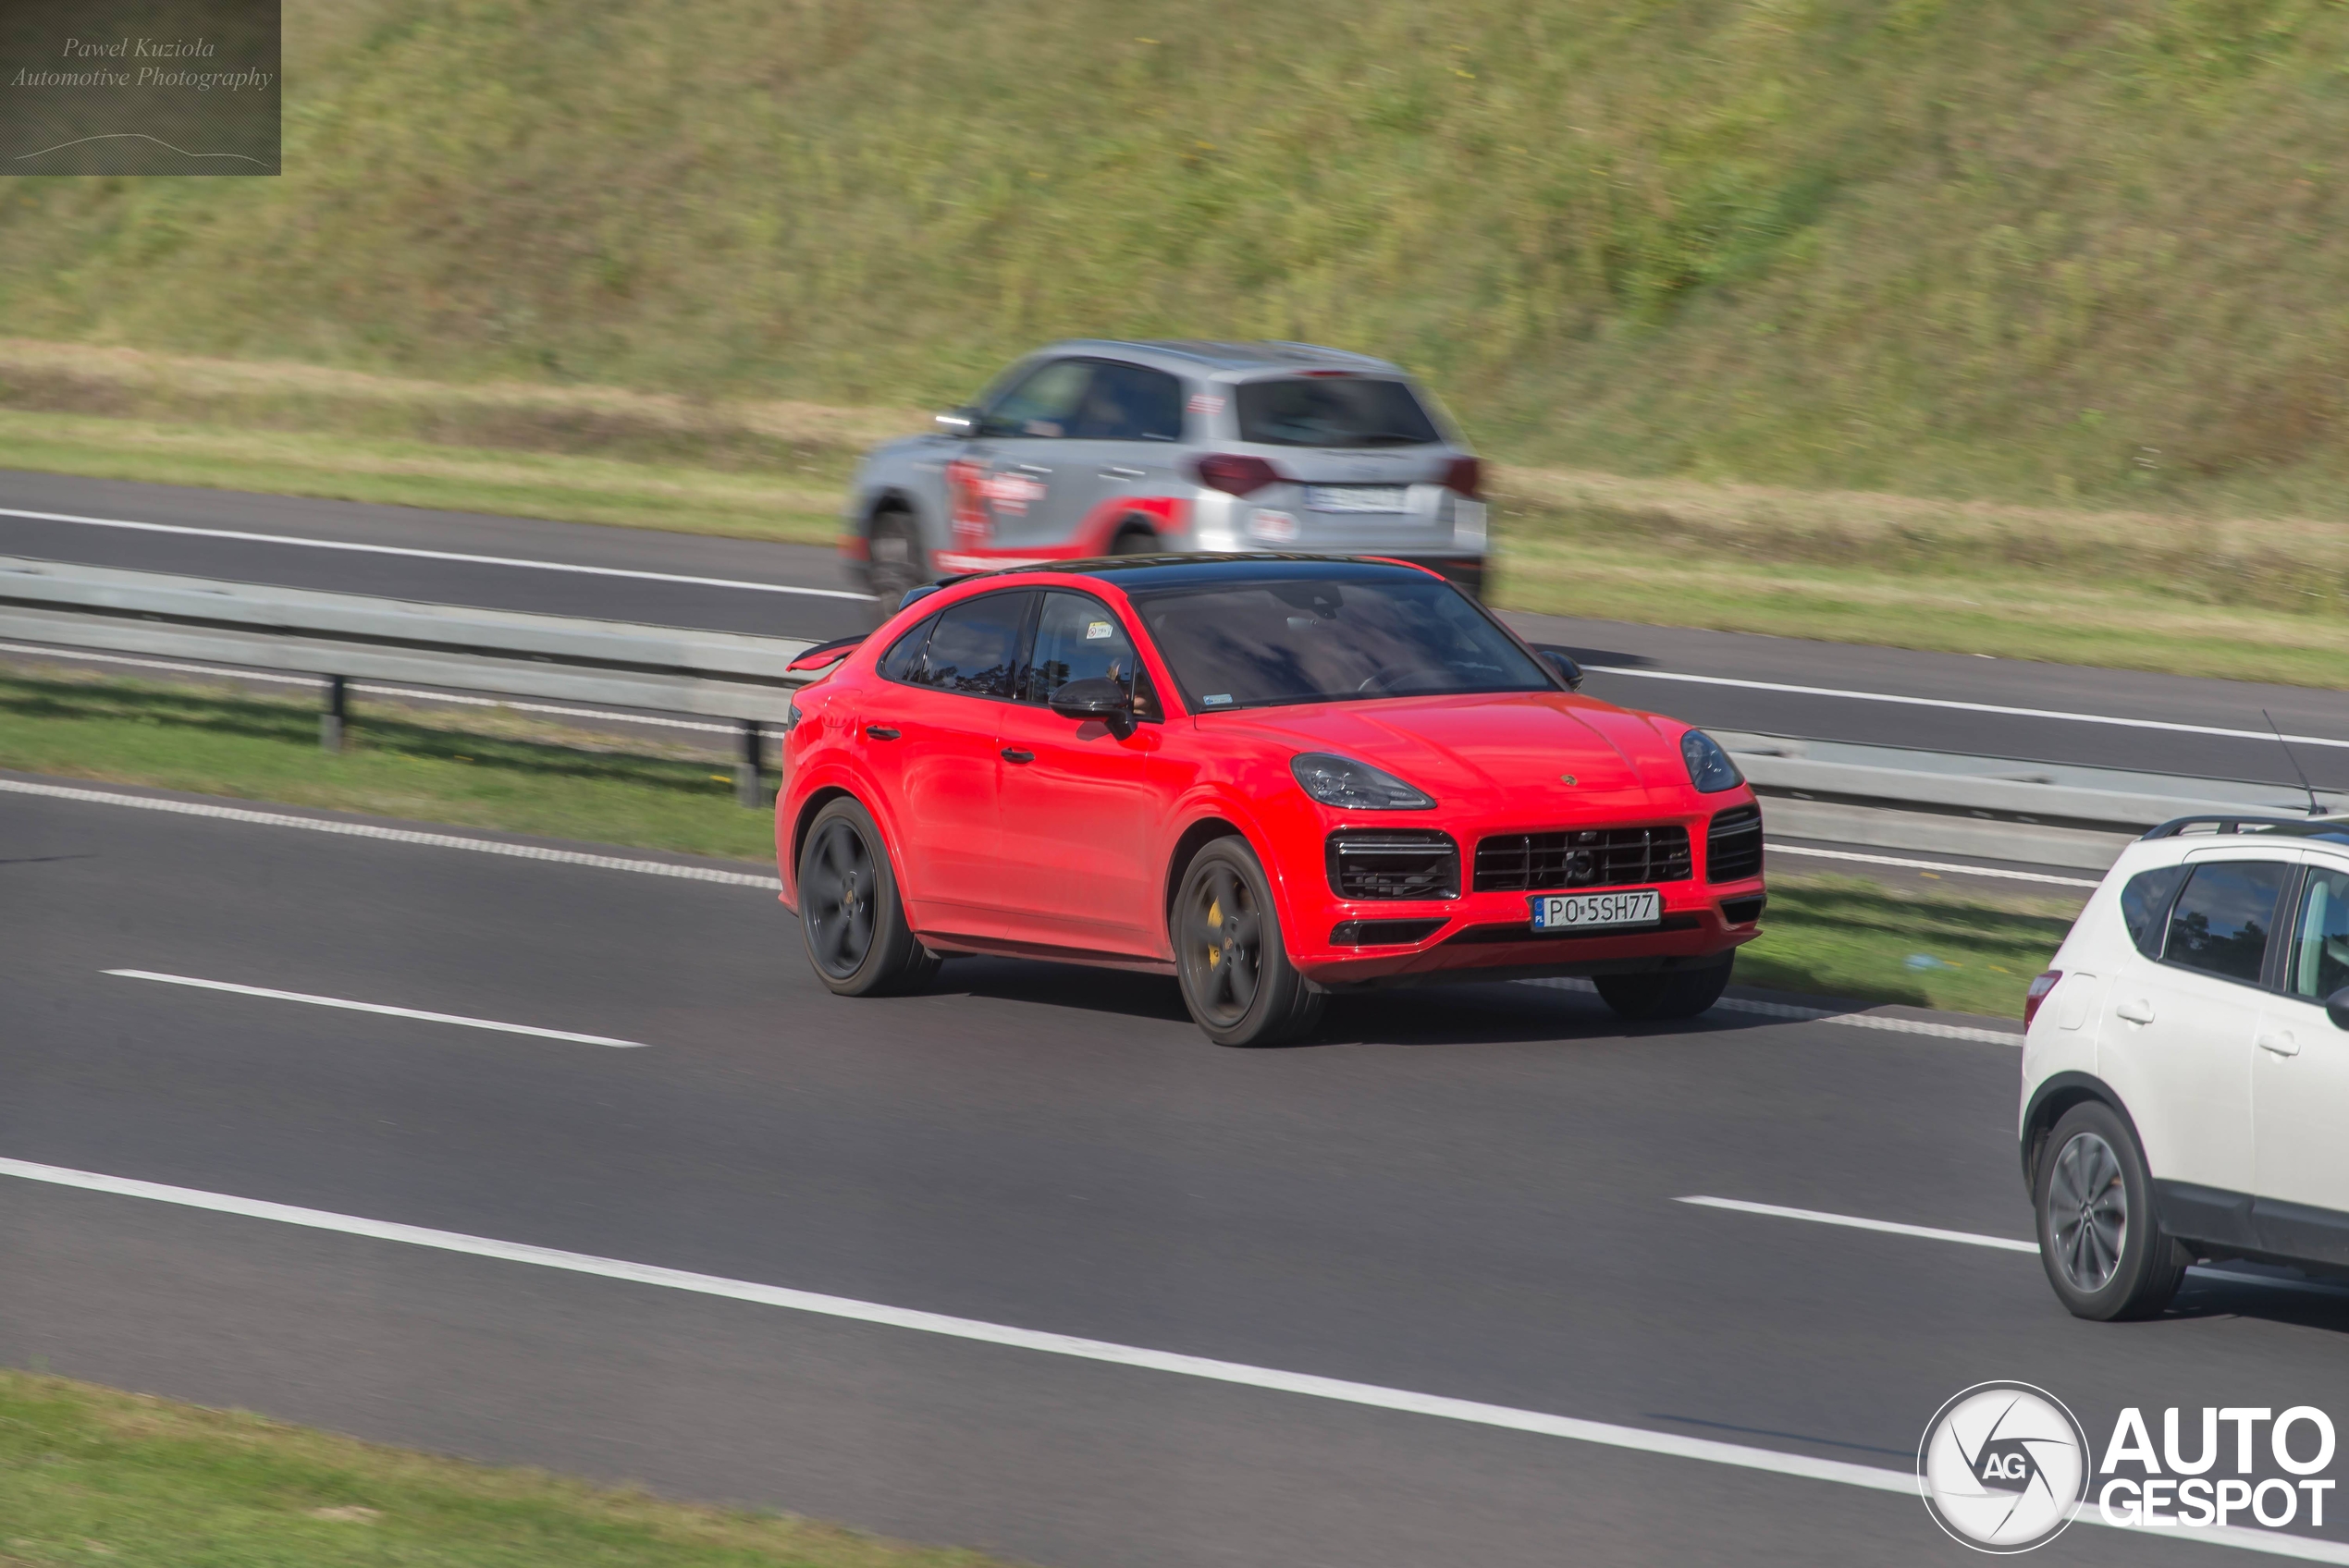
1584	911
1354	498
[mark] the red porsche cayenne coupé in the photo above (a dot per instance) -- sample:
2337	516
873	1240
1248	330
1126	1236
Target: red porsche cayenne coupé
1271	776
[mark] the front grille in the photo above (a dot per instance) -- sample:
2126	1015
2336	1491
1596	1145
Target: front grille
1733	845
1584	857
1393	866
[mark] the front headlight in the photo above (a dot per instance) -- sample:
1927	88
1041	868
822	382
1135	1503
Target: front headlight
1355	786
1710	768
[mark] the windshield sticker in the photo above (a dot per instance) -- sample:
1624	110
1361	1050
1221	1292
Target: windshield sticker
1098	629
1221	699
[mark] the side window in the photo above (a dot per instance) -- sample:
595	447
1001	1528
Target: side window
1130	403
2221	920
1043	404
2145	906
974	647
2317	964
904	655
1077	638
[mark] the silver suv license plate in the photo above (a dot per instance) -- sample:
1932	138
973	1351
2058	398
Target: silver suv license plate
1354	498
1580	911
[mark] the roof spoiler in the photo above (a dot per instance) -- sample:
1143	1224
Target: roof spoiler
823	656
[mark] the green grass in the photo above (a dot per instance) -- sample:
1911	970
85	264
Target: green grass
1830	935
90	1476
513	775
2084	252
1842	936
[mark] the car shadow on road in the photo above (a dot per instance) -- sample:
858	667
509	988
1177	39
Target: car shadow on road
2271	1294
1466	1014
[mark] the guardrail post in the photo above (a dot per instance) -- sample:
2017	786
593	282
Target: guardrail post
330	722
749	784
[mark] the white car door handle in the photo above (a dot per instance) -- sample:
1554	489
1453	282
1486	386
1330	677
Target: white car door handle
1123	473
1037	469
2139	1012
2281	1042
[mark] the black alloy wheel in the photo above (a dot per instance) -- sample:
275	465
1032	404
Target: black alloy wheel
897	563
2100	1236
854	923
1238	981
1665	994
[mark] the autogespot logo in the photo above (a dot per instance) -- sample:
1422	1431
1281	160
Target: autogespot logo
2003	1467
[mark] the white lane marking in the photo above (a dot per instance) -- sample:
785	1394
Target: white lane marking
378	1007
1828	1015
394	834
1966	707
244	536
2003	1243
1949	866
1816	1217
1308	1385
364	687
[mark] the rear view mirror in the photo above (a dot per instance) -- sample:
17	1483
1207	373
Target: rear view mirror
959	421
1563	662
1093	698
2337	1008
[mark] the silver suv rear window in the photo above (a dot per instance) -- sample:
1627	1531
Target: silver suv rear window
1334	411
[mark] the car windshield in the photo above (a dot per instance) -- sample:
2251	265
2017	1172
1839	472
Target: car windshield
1338	410
1315	640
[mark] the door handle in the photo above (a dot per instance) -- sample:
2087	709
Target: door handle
2281	1042
1012	753
1037	469
879	732
1116	472
2138	1012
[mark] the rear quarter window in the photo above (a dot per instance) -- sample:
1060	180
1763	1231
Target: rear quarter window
2145	905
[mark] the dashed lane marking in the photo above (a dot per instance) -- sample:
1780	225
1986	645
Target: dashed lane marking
349	1006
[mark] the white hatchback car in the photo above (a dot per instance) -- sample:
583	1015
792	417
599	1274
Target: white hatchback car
2185	1069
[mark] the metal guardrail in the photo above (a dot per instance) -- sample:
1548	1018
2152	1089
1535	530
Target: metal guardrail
341	637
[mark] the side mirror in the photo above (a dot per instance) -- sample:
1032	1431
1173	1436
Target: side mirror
1563	662
959	421
1094	698
2337	1008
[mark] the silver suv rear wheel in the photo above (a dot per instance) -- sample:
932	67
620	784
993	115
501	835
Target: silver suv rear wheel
2100	1236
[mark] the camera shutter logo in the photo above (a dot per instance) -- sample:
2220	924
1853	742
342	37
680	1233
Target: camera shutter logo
2003	1467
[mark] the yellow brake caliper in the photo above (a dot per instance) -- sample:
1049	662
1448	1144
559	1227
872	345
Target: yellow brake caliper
1215	918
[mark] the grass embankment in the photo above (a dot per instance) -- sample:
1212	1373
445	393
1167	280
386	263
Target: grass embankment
2230	597
2038	253
1830	935
91	1476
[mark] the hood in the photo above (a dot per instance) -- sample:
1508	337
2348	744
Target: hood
1500	745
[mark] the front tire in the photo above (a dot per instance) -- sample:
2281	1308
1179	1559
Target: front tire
1238	981
858	941
1665	994
2100	1236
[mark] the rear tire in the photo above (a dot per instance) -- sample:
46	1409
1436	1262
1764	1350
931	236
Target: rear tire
1135	542
1238	981
858	941
1667	994
898	564
2100	1236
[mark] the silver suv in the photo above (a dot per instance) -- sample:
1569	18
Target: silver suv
1092	448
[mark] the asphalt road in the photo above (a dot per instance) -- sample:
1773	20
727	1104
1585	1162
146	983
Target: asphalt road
1468	1194
1639	661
